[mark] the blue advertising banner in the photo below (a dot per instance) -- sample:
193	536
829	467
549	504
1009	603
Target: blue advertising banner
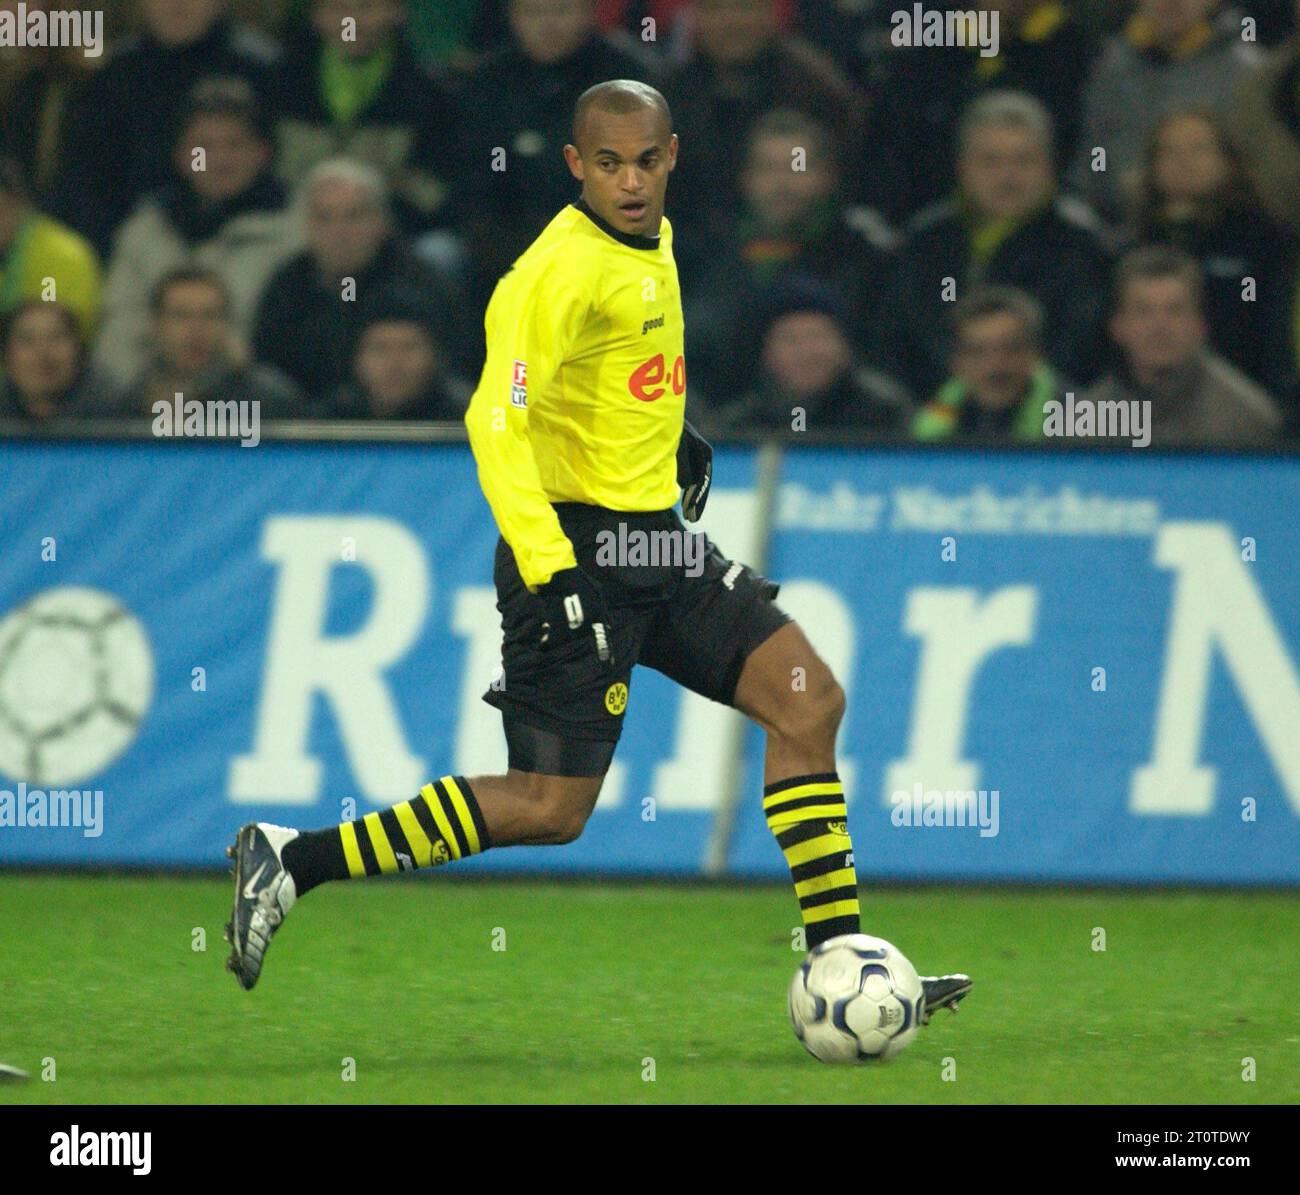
1075	668
1058	668
207	635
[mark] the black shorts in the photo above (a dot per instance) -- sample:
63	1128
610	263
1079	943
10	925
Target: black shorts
689	613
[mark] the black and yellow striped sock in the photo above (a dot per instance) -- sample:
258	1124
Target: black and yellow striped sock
442	824
809	820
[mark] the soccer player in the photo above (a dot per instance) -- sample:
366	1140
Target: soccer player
577	426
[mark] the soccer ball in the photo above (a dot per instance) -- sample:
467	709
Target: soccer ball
855	999
76	678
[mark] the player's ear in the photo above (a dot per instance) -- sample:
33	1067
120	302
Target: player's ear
672	151
573	159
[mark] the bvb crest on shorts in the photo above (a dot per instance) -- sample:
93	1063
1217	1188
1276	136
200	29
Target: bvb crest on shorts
616	698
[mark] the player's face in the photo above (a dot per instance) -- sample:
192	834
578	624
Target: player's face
42	355
623	165
995	358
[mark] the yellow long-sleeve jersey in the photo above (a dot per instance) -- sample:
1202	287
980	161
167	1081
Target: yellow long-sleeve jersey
584	388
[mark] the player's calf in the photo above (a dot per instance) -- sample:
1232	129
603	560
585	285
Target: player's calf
787	689
450	819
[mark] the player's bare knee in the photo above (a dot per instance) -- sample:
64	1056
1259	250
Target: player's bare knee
565	824
558	807
811	718
560	819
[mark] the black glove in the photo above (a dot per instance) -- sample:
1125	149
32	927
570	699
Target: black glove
694	471
571	605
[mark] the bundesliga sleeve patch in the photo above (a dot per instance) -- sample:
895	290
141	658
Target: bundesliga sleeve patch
519	387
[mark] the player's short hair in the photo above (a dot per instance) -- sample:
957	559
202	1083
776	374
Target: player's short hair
985	301
1005	110
620	97
184	276
345	170
792	125
1158	261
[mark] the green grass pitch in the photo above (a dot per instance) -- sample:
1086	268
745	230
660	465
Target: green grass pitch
596	978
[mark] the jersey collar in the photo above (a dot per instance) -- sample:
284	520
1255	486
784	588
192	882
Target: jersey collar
631	239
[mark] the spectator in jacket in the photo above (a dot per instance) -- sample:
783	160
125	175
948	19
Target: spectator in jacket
1193	195
810	377
37	108
121	139
1006	226
1043	50
1195	397
398	371
1000	380
741	67
223	209
41	258
518	116
46	375
195	353
367	97
1173	54
791	221
1264	120
314	306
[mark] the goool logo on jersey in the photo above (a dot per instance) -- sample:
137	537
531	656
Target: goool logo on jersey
647	380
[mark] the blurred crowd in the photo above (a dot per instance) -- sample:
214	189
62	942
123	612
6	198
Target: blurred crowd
308	202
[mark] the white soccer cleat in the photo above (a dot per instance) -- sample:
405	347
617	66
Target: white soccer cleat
264	894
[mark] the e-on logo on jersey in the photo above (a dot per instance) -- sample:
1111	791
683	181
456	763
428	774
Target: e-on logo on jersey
647	380
616	698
